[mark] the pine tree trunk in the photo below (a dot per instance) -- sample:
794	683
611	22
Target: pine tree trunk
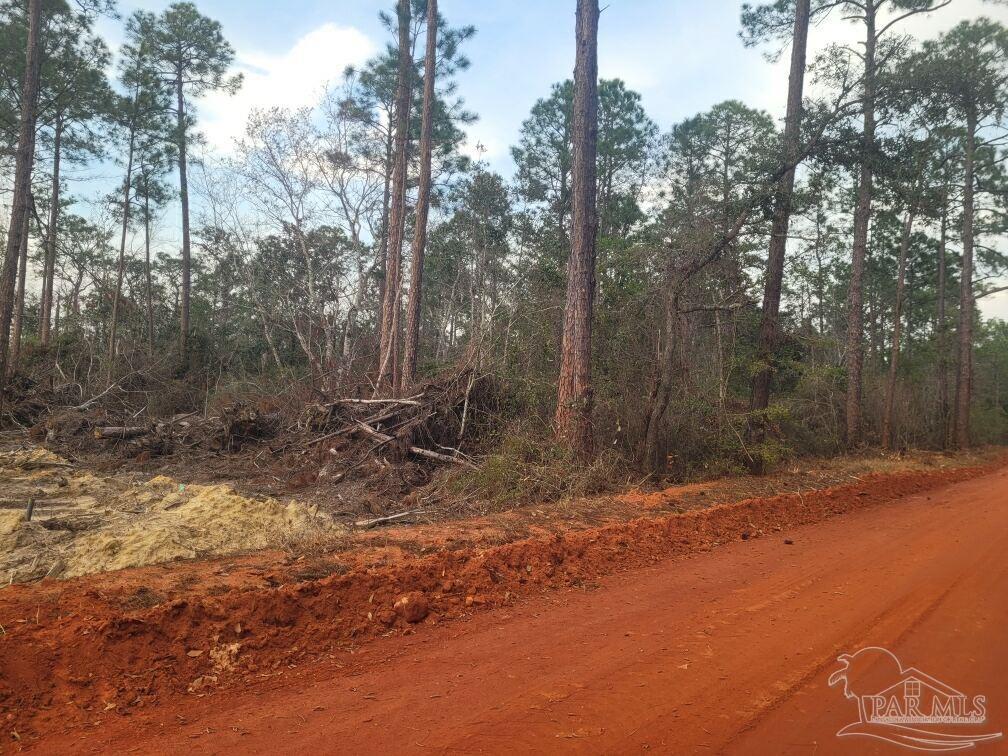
964	388
574	394
862	222
769	335
121	267
49	269
184	198
890	402
942	329
423	205
147	272
24	158
391	305
381	257
19	296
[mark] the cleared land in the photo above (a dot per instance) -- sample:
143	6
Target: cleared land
594	638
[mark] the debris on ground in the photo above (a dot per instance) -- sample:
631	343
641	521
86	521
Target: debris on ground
85	523
354	452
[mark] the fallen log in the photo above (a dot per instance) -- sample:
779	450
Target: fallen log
438	456
411	402
388	518
418	450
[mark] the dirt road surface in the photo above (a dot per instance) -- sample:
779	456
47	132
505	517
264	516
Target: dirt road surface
723	652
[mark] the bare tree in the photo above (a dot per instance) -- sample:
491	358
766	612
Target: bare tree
221	190
280	167
351	162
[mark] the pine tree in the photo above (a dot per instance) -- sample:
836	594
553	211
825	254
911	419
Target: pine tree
20	205
423	204
969	66
870	14
142	120
769	334
389	366
193	57
574	394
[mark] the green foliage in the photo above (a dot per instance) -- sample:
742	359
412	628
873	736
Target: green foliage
190	49
528	466
290	234
626	137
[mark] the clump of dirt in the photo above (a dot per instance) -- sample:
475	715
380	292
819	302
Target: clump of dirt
84	523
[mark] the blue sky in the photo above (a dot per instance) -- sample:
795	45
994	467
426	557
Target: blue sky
682	55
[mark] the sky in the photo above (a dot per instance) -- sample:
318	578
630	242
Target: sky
683	56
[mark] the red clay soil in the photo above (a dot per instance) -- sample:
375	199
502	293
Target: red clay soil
72	658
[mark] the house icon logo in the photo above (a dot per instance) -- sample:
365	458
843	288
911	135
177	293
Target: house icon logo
908	707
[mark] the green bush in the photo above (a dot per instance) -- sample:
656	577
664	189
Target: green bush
528	466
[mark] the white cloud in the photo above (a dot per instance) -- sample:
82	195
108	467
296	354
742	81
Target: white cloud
294	79
996	305
483	143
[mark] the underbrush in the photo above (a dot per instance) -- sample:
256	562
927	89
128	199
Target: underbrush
528	466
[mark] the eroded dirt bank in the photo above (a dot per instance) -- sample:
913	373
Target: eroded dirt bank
728	651
77	652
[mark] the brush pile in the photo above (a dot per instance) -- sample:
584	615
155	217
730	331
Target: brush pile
430	425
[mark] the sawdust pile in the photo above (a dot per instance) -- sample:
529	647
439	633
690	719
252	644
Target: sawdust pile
84	523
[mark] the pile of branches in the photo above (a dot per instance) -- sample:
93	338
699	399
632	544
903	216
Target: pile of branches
430	424
227	430
27	400
334	434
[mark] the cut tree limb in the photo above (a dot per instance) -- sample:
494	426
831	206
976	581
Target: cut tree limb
419	451
121	431
389	518
412	402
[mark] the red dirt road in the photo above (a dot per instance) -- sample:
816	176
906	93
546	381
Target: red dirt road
725	651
